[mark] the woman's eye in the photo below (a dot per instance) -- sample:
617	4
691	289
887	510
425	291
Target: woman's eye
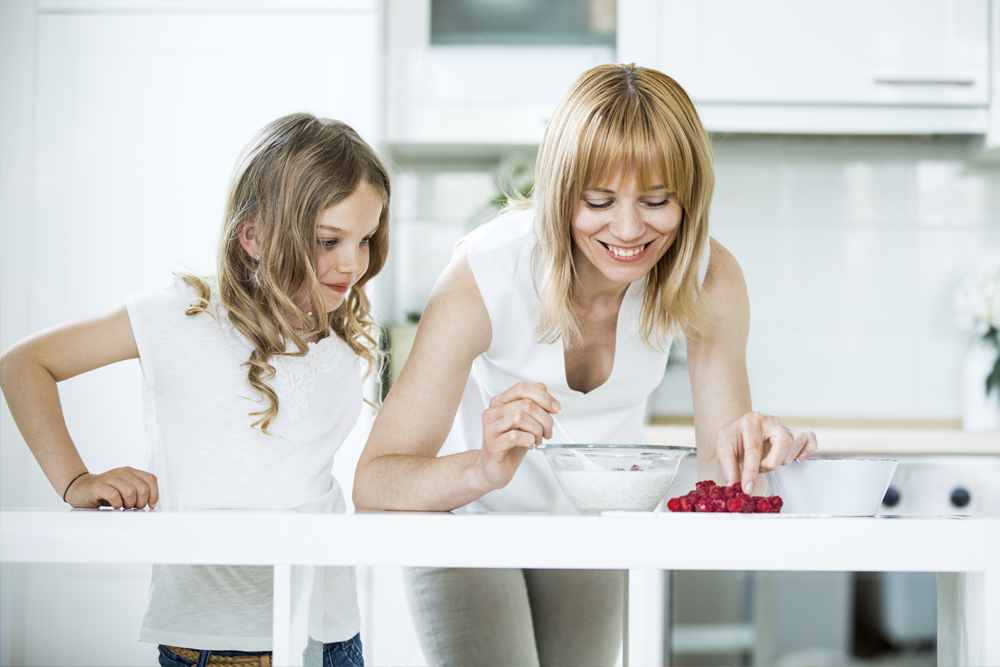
658	204
326	243
597	206
367	240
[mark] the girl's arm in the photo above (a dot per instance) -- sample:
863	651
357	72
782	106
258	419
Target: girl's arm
399	468
728	433
29	371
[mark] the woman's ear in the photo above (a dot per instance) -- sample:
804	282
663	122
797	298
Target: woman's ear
248	239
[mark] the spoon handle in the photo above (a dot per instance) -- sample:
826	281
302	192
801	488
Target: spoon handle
562	431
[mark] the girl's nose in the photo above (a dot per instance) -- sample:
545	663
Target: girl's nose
351	262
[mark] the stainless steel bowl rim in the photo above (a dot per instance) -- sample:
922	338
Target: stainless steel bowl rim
654	448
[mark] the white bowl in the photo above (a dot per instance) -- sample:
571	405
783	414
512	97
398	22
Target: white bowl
839	487
598	478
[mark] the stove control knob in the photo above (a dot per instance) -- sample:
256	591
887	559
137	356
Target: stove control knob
960	497
891	498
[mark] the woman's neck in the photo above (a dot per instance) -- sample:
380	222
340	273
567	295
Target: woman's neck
592	288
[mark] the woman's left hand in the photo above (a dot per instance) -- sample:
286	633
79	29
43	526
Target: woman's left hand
760	443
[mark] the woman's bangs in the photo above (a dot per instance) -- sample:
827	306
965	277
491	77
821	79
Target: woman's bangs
628	141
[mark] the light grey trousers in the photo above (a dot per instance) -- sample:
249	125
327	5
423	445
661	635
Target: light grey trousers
498	617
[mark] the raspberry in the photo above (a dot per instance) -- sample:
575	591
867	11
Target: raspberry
709	497
635	468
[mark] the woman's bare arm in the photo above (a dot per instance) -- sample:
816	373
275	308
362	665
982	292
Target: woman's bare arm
399	468
29	371
734	443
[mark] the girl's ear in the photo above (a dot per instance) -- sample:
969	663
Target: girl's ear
248	239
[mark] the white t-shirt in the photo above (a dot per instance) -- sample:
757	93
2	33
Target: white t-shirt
500	256
205	455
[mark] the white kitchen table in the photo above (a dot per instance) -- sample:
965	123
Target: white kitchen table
965	552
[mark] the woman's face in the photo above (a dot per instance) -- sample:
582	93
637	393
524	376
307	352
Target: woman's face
343	235
620	233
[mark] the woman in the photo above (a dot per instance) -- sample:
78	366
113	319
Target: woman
567	305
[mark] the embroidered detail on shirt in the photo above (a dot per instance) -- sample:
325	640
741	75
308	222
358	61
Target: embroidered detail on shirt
295	377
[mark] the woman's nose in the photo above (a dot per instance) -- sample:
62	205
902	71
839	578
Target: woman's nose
628	225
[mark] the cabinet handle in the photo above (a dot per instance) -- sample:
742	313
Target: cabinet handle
924	82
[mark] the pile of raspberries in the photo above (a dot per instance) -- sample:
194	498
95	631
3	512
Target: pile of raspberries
709	497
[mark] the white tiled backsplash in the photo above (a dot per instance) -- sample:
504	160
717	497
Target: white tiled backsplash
852	248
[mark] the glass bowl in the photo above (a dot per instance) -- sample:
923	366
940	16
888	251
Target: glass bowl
839	487
599	478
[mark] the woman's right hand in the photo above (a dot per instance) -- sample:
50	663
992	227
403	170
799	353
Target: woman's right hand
121	488
516	421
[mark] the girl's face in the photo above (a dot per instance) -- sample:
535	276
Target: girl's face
620	233
343	235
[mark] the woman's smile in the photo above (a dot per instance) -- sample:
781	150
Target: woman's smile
626	254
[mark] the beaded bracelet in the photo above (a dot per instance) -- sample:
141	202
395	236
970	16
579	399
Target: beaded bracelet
71	483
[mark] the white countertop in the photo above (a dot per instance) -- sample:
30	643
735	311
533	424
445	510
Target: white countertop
614	541
964	551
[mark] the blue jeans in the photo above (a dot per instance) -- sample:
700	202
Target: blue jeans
335	654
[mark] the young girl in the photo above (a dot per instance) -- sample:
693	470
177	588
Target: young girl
252	380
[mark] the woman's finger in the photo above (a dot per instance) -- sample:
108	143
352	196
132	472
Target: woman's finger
811	446
799	441
524	415
752	433
725	453
781	442
523	390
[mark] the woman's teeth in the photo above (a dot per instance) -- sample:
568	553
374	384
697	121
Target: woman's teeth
622	252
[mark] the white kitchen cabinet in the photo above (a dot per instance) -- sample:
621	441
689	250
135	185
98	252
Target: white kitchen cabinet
837	66
476	93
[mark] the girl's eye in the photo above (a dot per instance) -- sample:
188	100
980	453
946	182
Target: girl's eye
595	206
367	240
327	243
658	204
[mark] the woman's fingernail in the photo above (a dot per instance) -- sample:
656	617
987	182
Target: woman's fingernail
556	406
748	488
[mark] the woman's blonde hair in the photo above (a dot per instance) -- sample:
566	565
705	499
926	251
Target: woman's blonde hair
615	118
287	176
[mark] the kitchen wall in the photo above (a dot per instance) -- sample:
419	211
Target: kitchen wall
852	249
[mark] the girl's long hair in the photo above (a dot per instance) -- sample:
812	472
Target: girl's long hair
613	118
287	176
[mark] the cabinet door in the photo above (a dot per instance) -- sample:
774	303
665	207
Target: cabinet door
870	52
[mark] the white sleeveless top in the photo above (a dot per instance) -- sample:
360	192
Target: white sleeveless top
500	256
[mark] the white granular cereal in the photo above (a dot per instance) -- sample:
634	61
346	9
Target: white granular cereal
593	491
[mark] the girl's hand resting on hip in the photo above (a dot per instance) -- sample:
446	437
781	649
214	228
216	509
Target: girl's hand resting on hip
761	443
120	488
515	422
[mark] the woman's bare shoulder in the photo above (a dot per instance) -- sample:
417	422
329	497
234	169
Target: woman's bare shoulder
456	311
